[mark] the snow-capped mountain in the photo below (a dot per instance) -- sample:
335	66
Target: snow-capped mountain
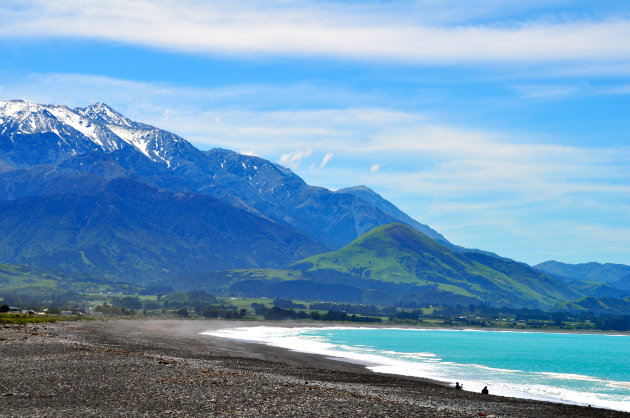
69	132
41	145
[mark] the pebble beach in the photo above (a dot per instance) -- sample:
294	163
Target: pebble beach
166	368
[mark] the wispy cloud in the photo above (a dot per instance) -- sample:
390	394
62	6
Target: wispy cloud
325	160
293	159
374	168
249	152
547	92
317	29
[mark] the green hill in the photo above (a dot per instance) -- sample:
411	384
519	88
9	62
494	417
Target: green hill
26	280
609	306
397	263
33	281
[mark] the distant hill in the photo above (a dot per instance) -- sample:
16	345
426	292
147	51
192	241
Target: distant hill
596	272
397	263
622	283
598	289
370	196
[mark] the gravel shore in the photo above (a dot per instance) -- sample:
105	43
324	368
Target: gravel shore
164	367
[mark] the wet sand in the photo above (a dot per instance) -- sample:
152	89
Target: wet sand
164	367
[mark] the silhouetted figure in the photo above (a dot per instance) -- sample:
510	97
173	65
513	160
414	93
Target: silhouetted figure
484	390
458	386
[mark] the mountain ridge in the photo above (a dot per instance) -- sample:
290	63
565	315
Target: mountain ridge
71	141
592	271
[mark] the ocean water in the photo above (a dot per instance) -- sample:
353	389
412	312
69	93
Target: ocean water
584	369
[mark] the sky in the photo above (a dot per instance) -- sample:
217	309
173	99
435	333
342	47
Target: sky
503	125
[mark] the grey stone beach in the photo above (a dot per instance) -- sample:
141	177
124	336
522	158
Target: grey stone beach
166	368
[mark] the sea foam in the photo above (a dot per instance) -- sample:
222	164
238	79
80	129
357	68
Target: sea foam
555	386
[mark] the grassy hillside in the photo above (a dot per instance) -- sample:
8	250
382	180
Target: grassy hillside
25	279
40	282
397	263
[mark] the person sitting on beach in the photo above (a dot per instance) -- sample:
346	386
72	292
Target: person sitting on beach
484	390
458	386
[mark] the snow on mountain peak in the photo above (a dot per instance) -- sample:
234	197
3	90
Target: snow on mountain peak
101	111
18	108
97	123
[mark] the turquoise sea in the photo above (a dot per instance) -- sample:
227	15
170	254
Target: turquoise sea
585	369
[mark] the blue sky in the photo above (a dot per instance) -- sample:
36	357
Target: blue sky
503	125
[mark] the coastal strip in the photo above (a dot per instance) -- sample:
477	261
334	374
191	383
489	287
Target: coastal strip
165	367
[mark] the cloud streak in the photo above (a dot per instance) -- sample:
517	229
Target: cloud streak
326	159
314	29
293	159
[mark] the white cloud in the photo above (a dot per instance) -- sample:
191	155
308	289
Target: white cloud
546	92
325	160
374	168
249	152
293	159
310	28
563	91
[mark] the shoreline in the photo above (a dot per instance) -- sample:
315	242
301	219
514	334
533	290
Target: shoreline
165	367
319	324
376	363
334	324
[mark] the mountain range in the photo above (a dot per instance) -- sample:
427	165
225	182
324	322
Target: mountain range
54	159
89	192
617	275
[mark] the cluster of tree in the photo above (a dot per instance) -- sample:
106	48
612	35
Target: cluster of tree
469	315
194	299
371	310
113	310
533	318
287	303
342	316
613	323
181	302
406	315
56	301
279	314
130	303
220	311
